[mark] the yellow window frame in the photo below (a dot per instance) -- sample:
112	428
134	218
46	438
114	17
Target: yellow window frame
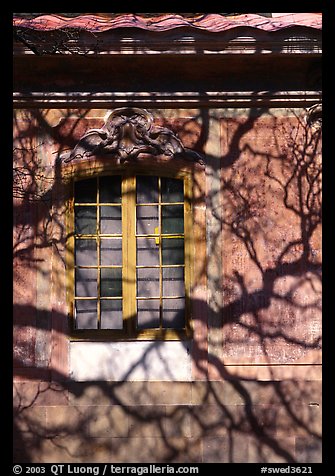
129	305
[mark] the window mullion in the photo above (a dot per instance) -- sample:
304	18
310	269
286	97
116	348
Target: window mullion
129	253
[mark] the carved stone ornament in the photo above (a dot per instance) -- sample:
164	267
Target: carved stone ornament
314	117
127	132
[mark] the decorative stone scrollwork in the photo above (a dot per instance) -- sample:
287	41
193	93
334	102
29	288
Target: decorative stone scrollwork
314	117
127	132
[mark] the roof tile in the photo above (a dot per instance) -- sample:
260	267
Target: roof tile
213	22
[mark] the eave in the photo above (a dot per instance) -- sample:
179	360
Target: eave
208	34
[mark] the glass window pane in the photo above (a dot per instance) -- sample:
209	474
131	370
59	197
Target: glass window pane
111	282
173	282
86	282
174	313
111	314
85	220
148	282
110	189
111	252
172	190
146	189
86	314
173	219
173	250
148	314
147	219
110	220
147	252
86	253
85	191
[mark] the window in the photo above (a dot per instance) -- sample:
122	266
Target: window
130	256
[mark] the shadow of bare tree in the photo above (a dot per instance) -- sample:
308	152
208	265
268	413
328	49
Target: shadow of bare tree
253	392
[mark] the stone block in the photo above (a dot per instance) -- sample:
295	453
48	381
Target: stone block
173	393
159	450
216	392
209	420
308	450
182	450
62	449
232	448
31	420
147	421
70	449
168	421
106	422
66	420
79	449
25	446
154	393
178	421
39	394
298	419
91	393
271	449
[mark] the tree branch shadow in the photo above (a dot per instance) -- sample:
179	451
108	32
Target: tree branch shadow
85	421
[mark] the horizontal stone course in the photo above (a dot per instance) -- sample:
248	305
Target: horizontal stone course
167	393
206	432
130	393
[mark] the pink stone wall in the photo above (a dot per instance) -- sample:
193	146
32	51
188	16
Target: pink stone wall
255	358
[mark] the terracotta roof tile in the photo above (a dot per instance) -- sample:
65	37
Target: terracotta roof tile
213	22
